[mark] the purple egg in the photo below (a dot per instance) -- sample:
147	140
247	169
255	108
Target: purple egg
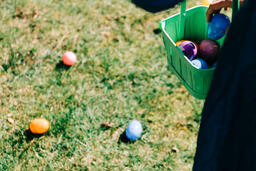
209	50
189	49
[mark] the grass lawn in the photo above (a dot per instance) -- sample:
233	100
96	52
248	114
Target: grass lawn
121	75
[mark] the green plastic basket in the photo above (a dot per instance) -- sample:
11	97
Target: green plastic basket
188	25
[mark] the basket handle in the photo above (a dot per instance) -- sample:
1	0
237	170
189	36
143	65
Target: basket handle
235	7
182	16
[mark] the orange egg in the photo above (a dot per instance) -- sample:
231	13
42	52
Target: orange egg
206	2
69	58
39	126
179	42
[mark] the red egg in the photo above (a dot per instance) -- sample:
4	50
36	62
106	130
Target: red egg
69	58
209	50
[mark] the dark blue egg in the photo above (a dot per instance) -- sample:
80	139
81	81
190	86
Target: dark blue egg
218	26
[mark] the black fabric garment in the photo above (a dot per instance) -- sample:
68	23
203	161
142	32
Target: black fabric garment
227	135
155	5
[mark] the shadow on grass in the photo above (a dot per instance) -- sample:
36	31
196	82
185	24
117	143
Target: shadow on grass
154	6
30	136
124	139
61	66
157	31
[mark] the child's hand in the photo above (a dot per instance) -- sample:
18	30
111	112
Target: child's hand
217	5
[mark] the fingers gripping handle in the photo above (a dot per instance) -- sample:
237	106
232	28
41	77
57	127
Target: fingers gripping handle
235	7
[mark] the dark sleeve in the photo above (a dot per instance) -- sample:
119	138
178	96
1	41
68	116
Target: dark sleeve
155	5
227	135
